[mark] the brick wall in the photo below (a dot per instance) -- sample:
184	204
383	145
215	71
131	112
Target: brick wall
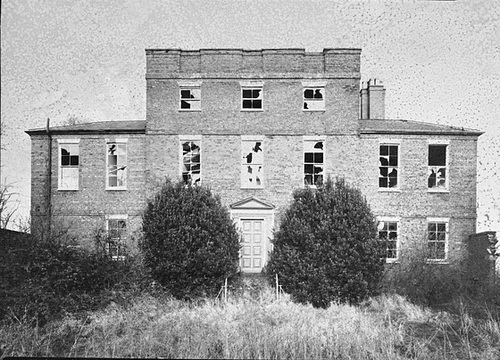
162	63
352	157
82	212
39	182
281	124
282	109
414	203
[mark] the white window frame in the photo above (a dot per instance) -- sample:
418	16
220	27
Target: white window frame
314	85
244	166
116	142
61	143
309	140
195	139
390	142
388	219
191	86
120	240
438	220
446	187
252	85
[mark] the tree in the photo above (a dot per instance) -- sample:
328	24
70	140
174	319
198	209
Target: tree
326	248
8	206
190	243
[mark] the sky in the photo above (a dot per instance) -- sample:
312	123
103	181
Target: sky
84	61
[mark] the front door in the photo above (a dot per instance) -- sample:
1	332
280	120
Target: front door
252	245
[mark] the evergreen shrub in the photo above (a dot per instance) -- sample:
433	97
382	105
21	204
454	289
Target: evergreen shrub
190	244
41	280
326	249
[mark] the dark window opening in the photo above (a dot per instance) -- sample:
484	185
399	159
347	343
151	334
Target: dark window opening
437	168
388	167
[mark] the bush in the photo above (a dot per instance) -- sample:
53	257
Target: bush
42	280
326	248
426	283
190	242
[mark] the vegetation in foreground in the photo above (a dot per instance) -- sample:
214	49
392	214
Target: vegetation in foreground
190	243
327	248
385	327
60	300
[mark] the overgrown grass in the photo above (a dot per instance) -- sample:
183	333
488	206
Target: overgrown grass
385	327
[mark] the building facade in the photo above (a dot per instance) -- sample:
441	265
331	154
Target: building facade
254	125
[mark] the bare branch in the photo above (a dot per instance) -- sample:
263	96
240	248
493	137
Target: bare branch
8	205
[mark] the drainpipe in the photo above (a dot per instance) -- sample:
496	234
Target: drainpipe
49	179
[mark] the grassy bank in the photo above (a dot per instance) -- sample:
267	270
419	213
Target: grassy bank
387	327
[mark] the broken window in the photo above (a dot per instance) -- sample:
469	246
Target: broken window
116	165
388	232
314	98
190	98
437	235
117	232
69	161
313	163
191	161
251	98
437	167
388	168
252	162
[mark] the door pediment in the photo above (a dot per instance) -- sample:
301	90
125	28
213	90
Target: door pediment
251	203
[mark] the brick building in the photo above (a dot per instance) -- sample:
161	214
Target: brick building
253	125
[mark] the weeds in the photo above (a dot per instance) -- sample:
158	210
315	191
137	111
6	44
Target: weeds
386	327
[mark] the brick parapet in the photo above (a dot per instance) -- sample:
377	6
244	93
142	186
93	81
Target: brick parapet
278	63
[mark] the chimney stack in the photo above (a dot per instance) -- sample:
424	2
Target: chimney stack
372	100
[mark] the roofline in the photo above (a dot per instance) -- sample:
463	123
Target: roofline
422	132
302	50
69	130
439	129
85	131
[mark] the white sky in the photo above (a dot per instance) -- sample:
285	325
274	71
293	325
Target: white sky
62	59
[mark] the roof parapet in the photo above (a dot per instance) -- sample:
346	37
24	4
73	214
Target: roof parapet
166	62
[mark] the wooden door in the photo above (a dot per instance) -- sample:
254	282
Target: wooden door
252	245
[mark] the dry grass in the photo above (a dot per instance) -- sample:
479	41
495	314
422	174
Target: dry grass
386	327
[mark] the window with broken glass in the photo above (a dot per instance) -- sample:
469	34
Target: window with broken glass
314	99
190	99
116	165
117	232
191	161
313	162
388	232
252	165
69	161
388	168
437	235
437	170
251	98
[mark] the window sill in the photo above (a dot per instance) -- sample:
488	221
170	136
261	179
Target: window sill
65	189
118	258
251	188
392	261
252	110
309	186
116	188
312	110
189	110
389	190
437	262
437	191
